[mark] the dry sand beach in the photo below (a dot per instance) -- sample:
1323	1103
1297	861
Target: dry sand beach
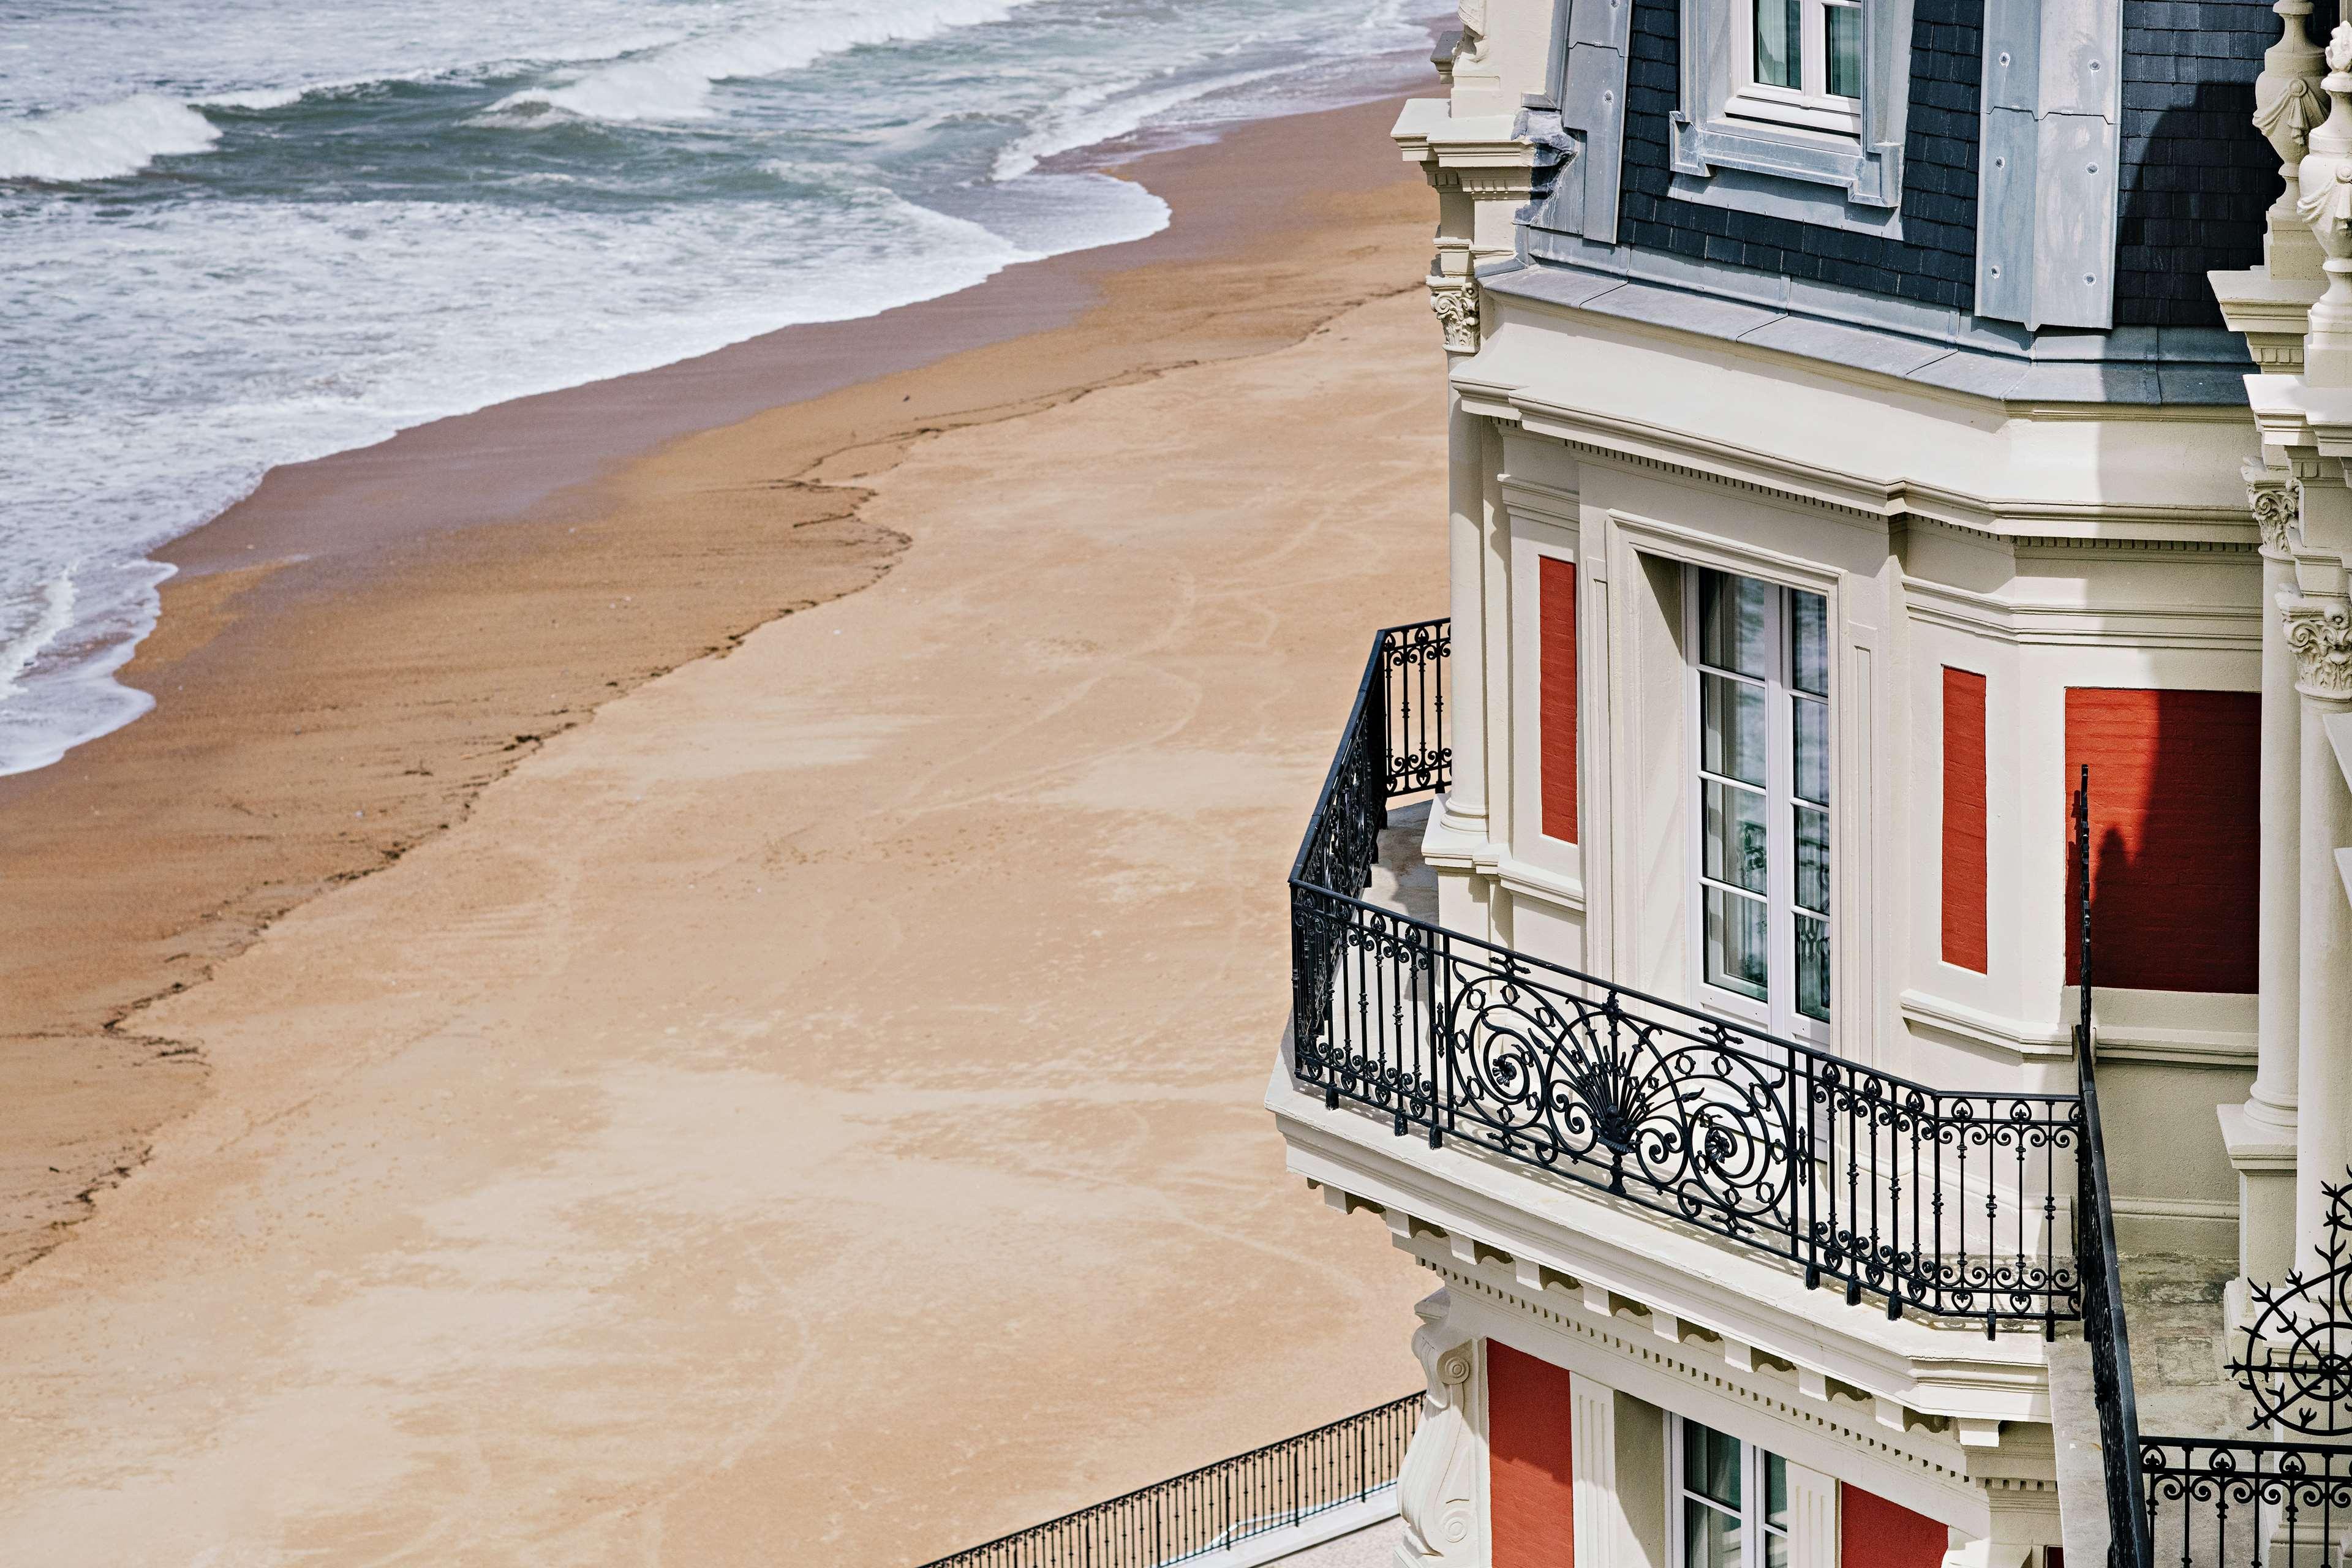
493	1085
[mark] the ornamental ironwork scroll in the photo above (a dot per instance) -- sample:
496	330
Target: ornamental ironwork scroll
2297	1363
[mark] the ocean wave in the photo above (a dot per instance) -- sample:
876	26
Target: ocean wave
1094	115
260	97
68	693
103	141
49	611
674	83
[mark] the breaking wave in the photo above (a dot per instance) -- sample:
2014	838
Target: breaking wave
103	141
674	83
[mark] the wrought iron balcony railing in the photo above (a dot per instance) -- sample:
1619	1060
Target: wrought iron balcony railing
2097	1265
1222	1505
1948	1203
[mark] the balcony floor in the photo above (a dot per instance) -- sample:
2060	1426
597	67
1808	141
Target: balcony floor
1404	881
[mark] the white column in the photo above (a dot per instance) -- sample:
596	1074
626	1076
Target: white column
1466	803
2318	629
2273	1101
2260	1133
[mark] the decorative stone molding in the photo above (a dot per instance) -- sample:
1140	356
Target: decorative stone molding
2324	181
2277	502
2288	105
1455	301
1443	1484
2319	631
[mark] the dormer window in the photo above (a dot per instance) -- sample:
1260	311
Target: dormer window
1801	63
1796	109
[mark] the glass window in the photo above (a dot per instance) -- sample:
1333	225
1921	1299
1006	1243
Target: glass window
1734	1500
1764	795
1801	63
1779	36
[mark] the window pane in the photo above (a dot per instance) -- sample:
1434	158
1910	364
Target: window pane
1814	859
1776	1551
1731	623
1811	761
1735	943
1776	1493
1809	642
1844	55
1710	1537
1813	969
1777	63
1711	1464
1731	728
1735	836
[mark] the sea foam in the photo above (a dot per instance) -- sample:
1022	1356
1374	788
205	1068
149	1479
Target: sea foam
102	142
676	83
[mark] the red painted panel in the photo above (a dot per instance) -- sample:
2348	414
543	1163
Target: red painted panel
1964	819
2176	830
1530	1504
1556	694
1876	1533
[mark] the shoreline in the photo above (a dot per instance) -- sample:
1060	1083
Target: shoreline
813	1111
332	693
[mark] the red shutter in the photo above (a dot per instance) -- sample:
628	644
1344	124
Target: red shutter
1964	819
1556	694
1531	1501
1876	1533
2176	830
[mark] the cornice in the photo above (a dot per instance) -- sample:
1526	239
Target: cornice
2071	525
1948	1371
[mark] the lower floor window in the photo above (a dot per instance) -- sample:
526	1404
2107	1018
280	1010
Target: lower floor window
1733	1500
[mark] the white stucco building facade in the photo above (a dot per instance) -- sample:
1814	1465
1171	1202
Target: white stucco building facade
1865	420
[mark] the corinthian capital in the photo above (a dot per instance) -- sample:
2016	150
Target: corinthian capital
2277	503
1455	301
2319	631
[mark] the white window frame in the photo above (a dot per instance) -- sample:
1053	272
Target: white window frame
1809	105
1754	1527
1793	152
1777	1013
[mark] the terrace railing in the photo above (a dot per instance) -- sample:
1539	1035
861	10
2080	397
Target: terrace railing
1955	1204
1219	1506
2097	1265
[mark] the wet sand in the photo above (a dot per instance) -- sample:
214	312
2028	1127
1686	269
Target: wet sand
803	1103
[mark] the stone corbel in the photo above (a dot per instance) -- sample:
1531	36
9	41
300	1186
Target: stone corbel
2319	631
1453	296
2277	501
1443	1484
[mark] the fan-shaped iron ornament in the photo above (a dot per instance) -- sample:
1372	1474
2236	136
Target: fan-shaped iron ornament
2298	1358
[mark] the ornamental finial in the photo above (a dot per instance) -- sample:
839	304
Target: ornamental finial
2325	185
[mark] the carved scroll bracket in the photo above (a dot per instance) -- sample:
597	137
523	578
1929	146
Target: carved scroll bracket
2276	497
1443	1484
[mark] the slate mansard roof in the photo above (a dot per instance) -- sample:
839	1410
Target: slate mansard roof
2190	185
